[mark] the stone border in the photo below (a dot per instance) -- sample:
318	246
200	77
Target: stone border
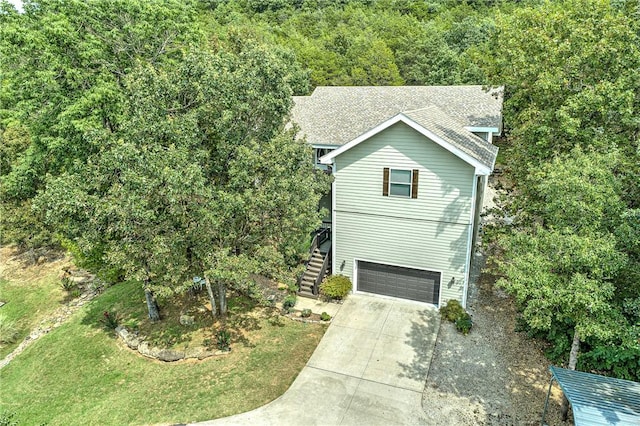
306	320
167	355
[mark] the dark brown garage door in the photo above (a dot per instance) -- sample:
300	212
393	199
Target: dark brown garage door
406	283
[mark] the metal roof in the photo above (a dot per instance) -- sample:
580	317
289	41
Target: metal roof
599	400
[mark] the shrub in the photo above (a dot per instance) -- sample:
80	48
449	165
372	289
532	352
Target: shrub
306	313
223	338
111	320
464	323
455	313
289	302
452	310
325	316
8	419
276	321
67	284
8	330
335	287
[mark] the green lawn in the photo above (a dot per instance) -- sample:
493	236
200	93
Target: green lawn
31	294
79	374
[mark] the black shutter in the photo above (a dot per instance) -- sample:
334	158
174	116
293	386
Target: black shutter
385	182
414	184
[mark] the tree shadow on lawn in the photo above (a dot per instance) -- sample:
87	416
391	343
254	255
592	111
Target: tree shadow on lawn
124	304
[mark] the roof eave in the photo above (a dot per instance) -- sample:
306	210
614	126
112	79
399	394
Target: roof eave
480	168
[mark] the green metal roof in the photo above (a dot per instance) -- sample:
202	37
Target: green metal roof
599	400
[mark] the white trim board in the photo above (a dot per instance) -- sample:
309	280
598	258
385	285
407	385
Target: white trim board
480	169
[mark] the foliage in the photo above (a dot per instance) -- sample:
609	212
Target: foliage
193	184
305	313
8	419
8	330
289	302
223	339
325	316
83	372
464	323
571	74
452	310
110	320
564	268
68	284
335	287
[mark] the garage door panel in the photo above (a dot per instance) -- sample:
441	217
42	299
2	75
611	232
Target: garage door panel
396	281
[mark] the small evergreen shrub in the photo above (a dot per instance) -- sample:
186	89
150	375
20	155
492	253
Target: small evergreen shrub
325	316
335	287
452	310
223	338
8	330
455	313
464	323
306	313
288	303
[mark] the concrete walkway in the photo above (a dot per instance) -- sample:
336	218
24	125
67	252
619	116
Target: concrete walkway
370	368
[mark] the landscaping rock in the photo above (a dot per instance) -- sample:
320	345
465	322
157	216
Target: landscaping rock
169	355
187	319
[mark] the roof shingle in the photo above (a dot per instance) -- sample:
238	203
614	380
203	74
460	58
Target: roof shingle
338	115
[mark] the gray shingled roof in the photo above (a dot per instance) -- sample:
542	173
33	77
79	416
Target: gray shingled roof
337	115
451	130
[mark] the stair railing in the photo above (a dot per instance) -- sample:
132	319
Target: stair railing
323	272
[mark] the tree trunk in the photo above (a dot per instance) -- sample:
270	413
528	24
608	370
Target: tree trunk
212	299
573	360
152	305
222	297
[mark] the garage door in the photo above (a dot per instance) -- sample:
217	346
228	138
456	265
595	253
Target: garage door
406	283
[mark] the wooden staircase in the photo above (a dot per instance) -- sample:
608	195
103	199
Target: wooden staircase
314	274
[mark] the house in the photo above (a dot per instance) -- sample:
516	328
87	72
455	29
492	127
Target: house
410	167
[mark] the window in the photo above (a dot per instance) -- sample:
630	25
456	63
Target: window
400	183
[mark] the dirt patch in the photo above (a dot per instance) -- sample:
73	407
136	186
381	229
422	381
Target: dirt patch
494	375
30	266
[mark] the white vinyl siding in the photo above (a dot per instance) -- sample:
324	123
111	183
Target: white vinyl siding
429	232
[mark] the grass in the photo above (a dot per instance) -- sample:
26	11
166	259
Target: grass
84	376
31	293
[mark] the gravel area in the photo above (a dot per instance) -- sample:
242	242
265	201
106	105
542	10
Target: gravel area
494	375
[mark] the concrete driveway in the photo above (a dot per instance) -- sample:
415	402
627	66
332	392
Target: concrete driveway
369	368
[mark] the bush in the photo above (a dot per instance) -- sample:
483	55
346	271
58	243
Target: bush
67	284
288	303
224	340
325	316
455	313
306	313
335	287
452	310
111	320
8	330
8	419
464	323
